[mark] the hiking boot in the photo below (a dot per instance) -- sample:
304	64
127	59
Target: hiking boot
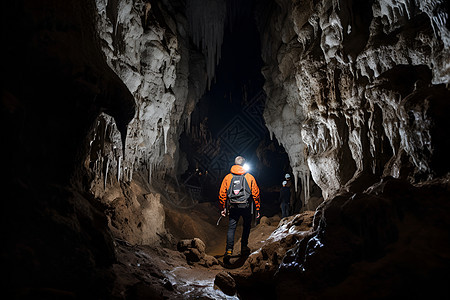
245	251
227	256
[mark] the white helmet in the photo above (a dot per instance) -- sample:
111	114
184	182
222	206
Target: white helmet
287	176
284	183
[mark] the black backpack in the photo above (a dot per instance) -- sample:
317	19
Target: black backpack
239	190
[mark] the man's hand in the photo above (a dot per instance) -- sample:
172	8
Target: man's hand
224	212
257	214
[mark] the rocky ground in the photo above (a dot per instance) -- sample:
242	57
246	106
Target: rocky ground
190	269
145	272
350	239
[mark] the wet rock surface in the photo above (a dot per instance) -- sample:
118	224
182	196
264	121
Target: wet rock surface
168	272
384	243
144	272
269	244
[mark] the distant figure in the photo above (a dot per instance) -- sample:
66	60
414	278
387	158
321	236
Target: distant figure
236	194
292	193
285	198
288	180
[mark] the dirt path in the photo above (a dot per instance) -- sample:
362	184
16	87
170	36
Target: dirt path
161	273
200	222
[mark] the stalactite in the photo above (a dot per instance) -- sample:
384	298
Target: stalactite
131	171
306	185
166	128
118	168
296	173
106	173
149	169
149	174
189	123
207	22
336	5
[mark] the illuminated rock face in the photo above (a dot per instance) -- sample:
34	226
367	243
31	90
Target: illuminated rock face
356	89
147	45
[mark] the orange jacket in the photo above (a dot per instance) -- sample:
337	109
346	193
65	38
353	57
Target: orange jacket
238	170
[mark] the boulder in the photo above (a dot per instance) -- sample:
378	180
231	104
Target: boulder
209	261
264	220
198	244
193	249
226	283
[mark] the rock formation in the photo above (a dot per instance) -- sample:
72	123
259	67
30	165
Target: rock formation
55	83
147	45
95	95
356	92
355	89
390	241
194	250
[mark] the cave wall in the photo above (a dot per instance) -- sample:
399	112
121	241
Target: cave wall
388	242
357	97
360	88
147	45
357	93
91	93
55	82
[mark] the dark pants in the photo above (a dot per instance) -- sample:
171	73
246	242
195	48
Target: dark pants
235	214
284	209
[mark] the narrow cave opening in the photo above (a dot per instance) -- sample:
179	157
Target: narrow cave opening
228	120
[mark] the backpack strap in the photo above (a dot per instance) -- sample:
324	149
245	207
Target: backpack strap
245	183
229	192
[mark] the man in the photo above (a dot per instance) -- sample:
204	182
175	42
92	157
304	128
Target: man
285	198
292	193
295	206
238	188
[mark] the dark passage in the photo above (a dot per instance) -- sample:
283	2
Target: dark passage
228	120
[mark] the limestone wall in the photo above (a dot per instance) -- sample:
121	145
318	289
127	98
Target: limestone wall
358	86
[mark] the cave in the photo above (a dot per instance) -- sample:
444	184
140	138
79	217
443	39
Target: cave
121	118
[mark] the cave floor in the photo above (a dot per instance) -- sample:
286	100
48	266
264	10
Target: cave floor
156	272
145	272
